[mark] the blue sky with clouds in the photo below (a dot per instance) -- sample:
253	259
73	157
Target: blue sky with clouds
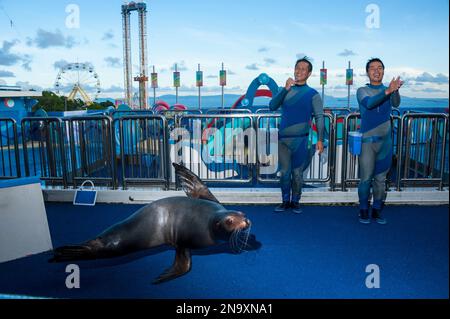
248	36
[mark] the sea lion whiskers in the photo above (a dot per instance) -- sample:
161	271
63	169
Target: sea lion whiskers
239	239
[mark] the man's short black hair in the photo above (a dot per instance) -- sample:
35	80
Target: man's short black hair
305	59
373	60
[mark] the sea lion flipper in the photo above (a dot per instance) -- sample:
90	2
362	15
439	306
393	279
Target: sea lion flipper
192	184
181	265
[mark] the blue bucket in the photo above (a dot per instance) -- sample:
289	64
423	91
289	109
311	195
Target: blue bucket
354	142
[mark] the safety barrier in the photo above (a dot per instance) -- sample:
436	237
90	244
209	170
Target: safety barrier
350	162
424	156
219	148
319	170
43	146
225	149
142	149
9	149
91	150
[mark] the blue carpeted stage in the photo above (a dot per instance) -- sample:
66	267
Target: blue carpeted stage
321	253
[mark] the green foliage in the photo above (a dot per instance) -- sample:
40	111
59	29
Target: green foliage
51	102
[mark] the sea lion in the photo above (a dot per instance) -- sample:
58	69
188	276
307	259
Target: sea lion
186	223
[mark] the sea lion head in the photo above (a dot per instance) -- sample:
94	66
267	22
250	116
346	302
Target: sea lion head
235	227
233	221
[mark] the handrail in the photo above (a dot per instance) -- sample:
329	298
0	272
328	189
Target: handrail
421	146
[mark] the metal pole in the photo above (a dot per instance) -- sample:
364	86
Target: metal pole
222	91
323	86
143	100
154	90
176	87
199	95
128	86
348	96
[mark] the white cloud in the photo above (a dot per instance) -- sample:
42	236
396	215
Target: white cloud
45	39
6	74
427	77
346	53
253	67
108	35
112	62
60	64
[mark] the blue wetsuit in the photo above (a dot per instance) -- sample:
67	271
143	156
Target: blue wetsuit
298	104
376	153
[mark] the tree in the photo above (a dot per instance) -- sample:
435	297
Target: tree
50	102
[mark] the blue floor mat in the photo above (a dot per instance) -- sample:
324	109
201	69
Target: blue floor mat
321	253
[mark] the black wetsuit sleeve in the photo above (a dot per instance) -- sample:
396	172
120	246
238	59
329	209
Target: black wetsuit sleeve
276	101
318	115
395	99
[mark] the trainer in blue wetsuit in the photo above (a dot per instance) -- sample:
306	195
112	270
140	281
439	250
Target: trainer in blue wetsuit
375	104
298	102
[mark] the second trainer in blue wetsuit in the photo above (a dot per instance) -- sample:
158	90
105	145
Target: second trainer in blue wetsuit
375	104
298	102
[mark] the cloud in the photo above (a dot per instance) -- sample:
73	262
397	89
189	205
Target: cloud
430	90
339	87
346	53
2	82
108	35
252	67
212	76
263	49
302	55
6	74
427	77
112	89
231	72
113	62
269	61
60	64
6	57
28	86
181	66
194	89
26	64
45	39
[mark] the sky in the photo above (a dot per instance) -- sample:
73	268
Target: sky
250	37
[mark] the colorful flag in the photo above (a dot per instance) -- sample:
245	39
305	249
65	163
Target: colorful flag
223	77
176	79
199	78
349	77
323	76
154	77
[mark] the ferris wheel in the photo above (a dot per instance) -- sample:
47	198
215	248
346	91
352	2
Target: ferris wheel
78	78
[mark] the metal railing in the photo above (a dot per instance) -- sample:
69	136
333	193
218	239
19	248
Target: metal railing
91	150
142	149
350	162
219	148
9	149
43	148
228	111
422	159
319	170
227	149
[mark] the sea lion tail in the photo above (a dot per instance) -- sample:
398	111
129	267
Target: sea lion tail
75	252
